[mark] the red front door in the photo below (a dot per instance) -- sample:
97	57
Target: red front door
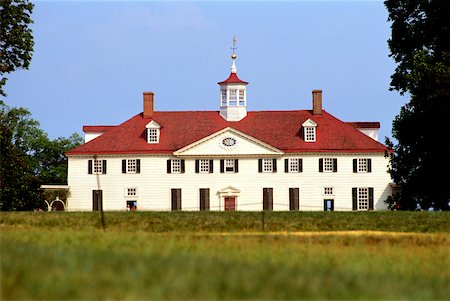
230	203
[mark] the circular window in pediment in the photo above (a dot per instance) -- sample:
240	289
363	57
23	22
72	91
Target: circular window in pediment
228	143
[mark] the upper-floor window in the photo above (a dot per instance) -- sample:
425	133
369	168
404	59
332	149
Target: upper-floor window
153	132
267	165
96	166
362	165
204	166
175	166
309	130
328	165
293	165
131	166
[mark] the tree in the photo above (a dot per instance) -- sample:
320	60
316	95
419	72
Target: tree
420	45
28	159
16	38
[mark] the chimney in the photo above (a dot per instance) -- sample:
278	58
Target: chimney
317	102
148	104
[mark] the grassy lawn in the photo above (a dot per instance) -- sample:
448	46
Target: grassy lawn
183	255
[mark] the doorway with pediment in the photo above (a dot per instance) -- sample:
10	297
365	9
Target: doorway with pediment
228	198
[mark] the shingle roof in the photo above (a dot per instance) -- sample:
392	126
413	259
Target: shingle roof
233	79
281	129
364	125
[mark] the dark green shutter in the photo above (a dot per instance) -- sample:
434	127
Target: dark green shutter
124	166
138	165
259	165
222	165
274	165
335	165
90	167
355	198
286	165
104	167
211	166
371	198
300	165
355	165
369	165
236	165
169	166
321	165
197	166
183	167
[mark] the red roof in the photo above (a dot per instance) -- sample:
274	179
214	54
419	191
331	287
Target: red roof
233	79
281	129
364	125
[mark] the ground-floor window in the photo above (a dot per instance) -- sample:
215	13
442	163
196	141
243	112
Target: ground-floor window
131	205
176	199
362	198
97	200
328	205
294	198
268	199
204	199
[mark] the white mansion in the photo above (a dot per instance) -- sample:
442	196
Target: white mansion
230	159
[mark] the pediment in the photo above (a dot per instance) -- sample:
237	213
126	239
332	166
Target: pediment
153	125
309	122
229	191
228	142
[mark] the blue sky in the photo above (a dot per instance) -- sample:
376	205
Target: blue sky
93	60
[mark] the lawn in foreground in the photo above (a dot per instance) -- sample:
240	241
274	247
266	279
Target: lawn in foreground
39	261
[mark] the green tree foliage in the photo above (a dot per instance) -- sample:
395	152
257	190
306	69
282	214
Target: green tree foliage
420	45
28	159
16	38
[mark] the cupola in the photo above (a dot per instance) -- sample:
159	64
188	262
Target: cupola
233	93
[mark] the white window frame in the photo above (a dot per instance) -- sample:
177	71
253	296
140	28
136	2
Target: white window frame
267	165
131	192
131	165
362	165
97	166
241	96
229	165
203	166
294	165
233	97
363	198
175	166
328	190
310	134
224	97
328	164
153	136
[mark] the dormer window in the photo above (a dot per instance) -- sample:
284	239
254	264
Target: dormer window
309	130
153	132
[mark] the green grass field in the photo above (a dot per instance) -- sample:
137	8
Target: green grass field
226	255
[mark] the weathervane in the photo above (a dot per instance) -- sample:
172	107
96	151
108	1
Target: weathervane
233	56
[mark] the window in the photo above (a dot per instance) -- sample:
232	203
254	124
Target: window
131	205
328	205
233	97
327	165
268	199
175	166
362	165
363	198
153	135
131	166
176	199
310	134
267	165
309	130
293	165
328	191
96	166
294	197
204	166
131	192
242	97
224	97
229	165
204	199
97	200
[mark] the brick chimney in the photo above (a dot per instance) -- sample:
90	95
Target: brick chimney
148	104
317	102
